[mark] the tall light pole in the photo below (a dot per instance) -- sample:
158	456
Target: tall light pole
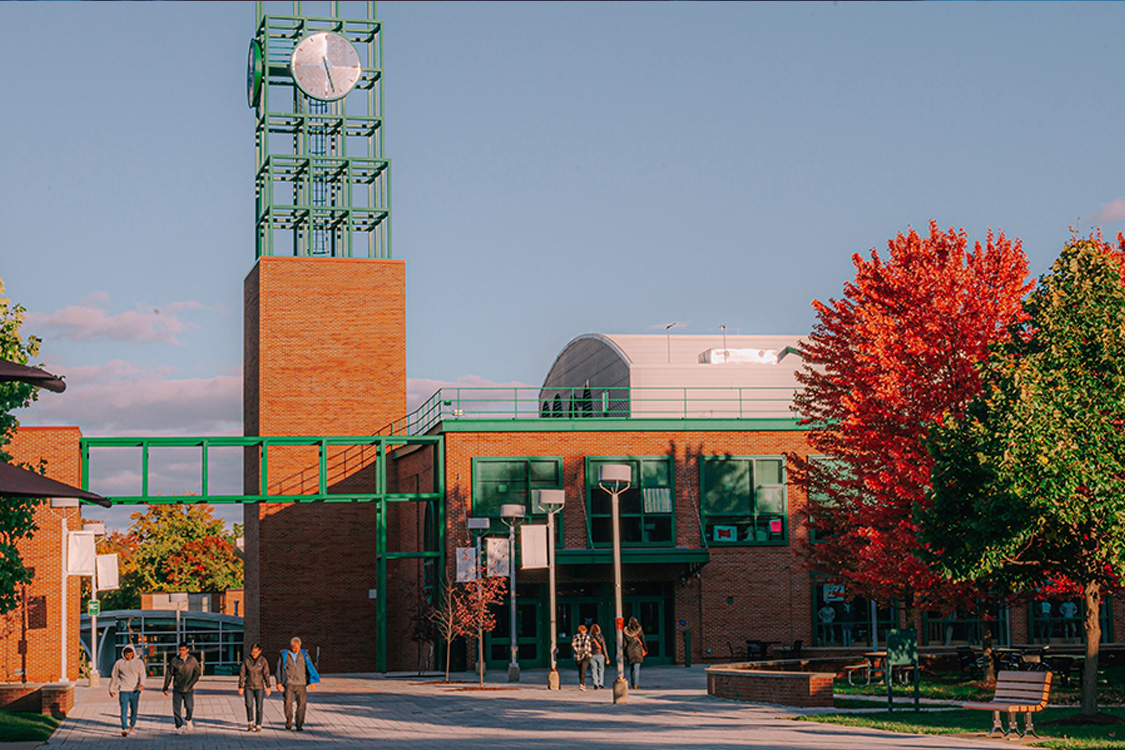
478	526
513	516
98	529
552	501
615	479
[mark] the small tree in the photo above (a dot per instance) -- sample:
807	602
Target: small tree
465	609
1029	483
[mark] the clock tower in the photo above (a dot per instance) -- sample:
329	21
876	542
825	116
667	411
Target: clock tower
324	321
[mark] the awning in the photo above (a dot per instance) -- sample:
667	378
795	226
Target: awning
17	482
10	371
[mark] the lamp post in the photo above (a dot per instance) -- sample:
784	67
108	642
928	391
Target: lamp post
615	479
513	516
98	529
552	501
479	526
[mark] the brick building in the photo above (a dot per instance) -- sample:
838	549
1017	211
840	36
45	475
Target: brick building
31	636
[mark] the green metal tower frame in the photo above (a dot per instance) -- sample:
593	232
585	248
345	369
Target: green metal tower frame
322	184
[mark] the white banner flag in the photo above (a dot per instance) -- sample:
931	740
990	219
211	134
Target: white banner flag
466	564
80	553
533	546
107	572
497	557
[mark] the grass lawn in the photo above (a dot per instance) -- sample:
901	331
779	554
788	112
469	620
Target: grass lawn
963	721
947	687
17	726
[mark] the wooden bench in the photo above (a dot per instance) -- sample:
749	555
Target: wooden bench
1016	693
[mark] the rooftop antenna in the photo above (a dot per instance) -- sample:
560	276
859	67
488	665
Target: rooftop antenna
668	334
726	352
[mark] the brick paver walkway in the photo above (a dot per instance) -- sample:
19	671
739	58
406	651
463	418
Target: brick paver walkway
670	712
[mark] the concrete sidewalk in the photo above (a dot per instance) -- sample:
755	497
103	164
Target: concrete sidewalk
671	711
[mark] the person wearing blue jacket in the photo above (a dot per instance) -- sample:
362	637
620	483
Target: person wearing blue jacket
295	675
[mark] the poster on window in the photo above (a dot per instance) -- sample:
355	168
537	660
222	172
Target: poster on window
726	533
533	546
497	557
466	564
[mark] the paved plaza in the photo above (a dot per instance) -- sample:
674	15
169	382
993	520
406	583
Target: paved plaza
671	711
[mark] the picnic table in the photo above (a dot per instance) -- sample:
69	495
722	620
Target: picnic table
762	648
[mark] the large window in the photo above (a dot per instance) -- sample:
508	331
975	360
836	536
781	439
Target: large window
1062	621
839	621
510	481
744	500
647	508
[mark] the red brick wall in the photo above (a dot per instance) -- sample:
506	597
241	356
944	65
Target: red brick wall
811	689
30	636
769	591
325	354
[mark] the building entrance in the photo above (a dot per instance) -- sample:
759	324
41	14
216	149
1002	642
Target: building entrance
582	604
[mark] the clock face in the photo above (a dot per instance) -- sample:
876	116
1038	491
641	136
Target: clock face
325	65
254	69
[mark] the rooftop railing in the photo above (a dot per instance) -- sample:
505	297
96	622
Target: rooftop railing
611	403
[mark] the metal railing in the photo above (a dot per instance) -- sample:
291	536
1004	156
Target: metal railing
610	403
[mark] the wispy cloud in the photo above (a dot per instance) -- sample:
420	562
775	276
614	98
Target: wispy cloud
90	320
121	398
1111	212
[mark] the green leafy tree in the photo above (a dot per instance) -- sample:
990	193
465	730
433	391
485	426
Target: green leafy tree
17	514
172	548
1029	482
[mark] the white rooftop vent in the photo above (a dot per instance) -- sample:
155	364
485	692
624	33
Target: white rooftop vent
738	357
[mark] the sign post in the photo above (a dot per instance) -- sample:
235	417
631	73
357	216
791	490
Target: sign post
902	651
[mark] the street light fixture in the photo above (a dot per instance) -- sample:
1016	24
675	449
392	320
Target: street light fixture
479	526
97	529
552	501
513	517
615	479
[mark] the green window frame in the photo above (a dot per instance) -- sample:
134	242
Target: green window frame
744	500
647	508
822	498
509	480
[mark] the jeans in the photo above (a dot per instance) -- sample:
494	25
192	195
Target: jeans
129	700
597	673
182	702
583	665
635	674
254	699
295	693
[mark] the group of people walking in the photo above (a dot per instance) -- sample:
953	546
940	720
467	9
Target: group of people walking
295	676
590	650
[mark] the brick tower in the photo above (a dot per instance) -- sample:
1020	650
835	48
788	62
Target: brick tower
324	324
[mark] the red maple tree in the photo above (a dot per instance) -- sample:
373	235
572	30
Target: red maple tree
882	364
465	609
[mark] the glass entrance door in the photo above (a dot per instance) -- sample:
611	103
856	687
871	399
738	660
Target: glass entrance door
531	637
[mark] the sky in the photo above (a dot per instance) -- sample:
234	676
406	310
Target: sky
557	169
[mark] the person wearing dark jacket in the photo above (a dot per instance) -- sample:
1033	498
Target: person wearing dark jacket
254	682
597	656
181	675
635	650
295	674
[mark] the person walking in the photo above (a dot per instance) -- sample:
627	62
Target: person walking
181	675
295	674
580	647
635	650
128	681
597	656
254	682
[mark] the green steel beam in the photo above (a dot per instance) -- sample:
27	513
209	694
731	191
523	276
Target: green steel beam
328	472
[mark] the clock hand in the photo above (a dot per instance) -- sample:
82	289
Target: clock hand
328	72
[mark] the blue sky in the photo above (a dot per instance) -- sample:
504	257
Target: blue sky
557	169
